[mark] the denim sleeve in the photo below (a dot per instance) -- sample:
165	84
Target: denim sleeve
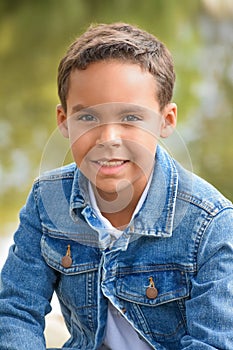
210	309
26	286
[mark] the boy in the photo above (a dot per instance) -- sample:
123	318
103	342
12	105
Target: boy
138	250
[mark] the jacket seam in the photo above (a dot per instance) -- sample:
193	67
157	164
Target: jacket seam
202	232
198	202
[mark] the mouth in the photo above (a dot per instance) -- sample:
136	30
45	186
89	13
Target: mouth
111	163
110	166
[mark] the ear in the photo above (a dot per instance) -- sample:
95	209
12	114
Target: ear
169	120
62	121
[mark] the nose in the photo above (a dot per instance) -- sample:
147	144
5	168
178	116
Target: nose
109	135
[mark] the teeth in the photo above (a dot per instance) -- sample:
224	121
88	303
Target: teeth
110	163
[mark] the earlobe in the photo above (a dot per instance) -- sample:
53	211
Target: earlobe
62	121
169	120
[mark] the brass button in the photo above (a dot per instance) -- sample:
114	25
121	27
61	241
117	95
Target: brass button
66	261
151	292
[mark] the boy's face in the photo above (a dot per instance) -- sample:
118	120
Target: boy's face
113	121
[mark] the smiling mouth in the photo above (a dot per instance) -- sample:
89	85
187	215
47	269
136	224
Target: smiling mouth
111	163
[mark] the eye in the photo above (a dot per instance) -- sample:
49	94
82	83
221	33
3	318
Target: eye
131	118
86	118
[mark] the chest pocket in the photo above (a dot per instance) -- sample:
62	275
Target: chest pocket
77	281
169	282
154	297
82	259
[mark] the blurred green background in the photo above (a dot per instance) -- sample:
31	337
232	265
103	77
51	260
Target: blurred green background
35	34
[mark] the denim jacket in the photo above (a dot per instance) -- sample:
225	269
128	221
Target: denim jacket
170	274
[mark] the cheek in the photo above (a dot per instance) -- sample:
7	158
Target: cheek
143	153
144	145
80	147
151	142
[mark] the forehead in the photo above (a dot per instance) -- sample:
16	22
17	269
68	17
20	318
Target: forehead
111	81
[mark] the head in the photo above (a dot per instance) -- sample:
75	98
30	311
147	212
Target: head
115	85
121	42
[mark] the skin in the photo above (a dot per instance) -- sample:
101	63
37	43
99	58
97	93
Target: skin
113	121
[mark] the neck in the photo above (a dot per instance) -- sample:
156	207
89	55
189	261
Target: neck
119	207
121	219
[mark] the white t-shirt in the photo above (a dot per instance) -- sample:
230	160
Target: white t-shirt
119	333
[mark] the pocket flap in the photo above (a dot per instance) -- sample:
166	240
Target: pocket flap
170	282
83	258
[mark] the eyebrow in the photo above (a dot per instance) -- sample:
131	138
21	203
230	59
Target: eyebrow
126	109
129	109
77	108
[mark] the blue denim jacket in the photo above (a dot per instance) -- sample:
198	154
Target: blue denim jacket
181	241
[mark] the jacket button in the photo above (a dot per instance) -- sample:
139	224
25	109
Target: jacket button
151	292
66	261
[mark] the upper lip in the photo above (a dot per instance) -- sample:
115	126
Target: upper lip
109	160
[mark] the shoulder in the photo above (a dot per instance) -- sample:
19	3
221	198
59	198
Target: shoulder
56	183
64	172
200	193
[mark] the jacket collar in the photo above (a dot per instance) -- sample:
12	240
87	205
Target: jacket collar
157	213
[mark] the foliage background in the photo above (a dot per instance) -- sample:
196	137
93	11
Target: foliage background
35	34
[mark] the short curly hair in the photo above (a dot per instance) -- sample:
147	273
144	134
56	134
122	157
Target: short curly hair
123	42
